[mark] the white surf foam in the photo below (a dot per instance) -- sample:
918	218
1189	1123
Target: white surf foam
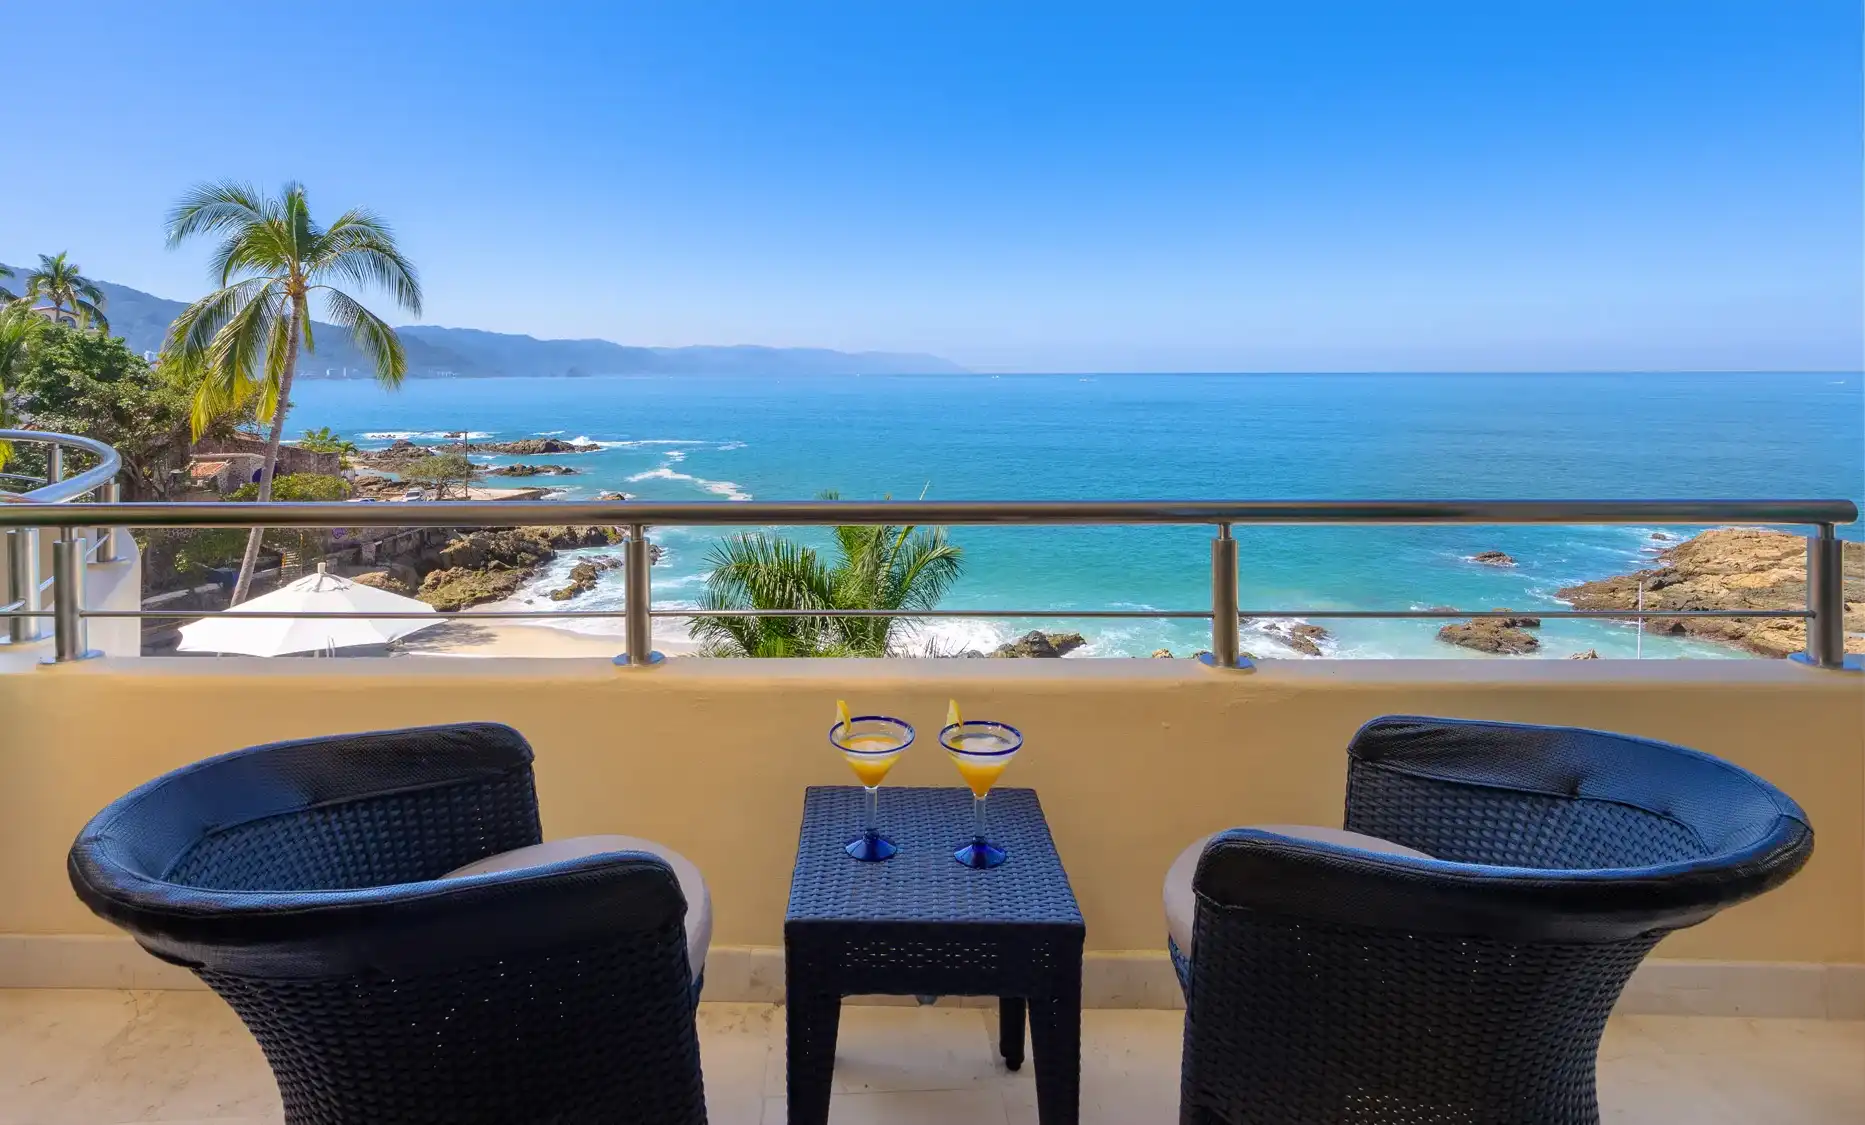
410	435
728	489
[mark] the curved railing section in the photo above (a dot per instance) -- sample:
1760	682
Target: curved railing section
34	498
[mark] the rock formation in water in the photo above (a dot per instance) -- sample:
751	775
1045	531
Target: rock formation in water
1731	568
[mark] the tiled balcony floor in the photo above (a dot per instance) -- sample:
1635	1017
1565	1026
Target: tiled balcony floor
106	1058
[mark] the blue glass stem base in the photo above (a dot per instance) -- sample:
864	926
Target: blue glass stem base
872	847
980	853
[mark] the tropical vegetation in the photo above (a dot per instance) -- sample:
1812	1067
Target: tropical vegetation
67	293
74	381
869	568
7	296
18	330
325	440
238	347
442	470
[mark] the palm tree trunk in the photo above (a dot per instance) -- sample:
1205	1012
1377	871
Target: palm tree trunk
251	558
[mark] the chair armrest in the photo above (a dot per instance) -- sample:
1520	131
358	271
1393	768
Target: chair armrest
343	812
424	928
1256	870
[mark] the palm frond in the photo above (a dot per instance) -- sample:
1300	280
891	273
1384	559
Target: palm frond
227	372
373	336
359	246
924	570
208	208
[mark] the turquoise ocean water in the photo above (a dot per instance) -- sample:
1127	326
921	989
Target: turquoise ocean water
1031	437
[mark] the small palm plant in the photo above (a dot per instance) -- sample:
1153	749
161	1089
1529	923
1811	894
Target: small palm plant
67	293
238	346
7	296
874	568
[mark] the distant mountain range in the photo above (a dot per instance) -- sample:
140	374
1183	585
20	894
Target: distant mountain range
142	319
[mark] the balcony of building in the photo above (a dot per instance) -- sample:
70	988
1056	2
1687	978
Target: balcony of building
1756	1015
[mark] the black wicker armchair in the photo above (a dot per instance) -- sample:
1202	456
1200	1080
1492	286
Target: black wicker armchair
303	882
1333	983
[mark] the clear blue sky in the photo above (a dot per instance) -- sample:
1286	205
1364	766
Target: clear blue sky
1286	186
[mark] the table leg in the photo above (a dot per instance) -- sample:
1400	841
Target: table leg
1055	1033
1010	1013
810	1024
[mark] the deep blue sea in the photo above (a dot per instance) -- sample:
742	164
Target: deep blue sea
1031	437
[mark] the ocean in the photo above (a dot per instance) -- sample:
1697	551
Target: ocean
1055	437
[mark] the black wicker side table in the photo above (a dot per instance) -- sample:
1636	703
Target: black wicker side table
921	925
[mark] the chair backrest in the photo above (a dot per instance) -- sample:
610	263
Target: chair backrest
1535	833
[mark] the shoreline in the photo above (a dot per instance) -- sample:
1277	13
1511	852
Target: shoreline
461	636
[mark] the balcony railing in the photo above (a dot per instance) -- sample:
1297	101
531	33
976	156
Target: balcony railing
26	588
1823	612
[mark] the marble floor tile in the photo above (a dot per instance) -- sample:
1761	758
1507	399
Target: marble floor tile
183	1058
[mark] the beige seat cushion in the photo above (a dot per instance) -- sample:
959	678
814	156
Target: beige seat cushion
1182	904
698	898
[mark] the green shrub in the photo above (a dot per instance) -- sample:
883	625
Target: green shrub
298	487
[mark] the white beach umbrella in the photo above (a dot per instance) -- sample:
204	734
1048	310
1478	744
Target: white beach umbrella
314	593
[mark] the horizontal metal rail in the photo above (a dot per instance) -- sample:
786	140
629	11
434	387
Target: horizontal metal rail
1084	614
1822	613
726	513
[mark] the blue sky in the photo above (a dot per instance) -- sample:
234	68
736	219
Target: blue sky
1277	186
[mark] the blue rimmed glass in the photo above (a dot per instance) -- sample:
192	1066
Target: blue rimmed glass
981	750
871	745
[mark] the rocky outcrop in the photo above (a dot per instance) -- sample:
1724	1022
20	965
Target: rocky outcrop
1492	558
583	577
383	580
1484	635
1301	636
1731	568
456	588
1590	654
1039	644
490	565
529	447
399	455
1514	622
611	496
522	470
1162	654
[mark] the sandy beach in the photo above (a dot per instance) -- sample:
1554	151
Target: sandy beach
463	636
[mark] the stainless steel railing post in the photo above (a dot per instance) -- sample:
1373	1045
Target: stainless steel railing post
638	619
1826	599
54	463
22	582
1226	647
69	641
107	536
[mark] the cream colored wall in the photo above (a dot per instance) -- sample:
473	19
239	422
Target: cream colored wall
1132	758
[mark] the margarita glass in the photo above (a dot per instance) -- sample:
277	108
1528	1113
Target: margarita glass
871	744
980	750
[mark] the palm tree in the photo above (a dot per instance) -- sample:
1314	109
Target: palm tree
67	292
7	296
885	568
239	344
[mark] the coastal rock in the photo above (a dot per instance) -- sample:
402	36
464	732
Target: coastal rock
1731	568
383	580
1492	558
530	447
611	496
1663	536
1039	644
459	587
1301	636
1162	654
399	454
522	470
1485	635
583	576
1514	622
1590	654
